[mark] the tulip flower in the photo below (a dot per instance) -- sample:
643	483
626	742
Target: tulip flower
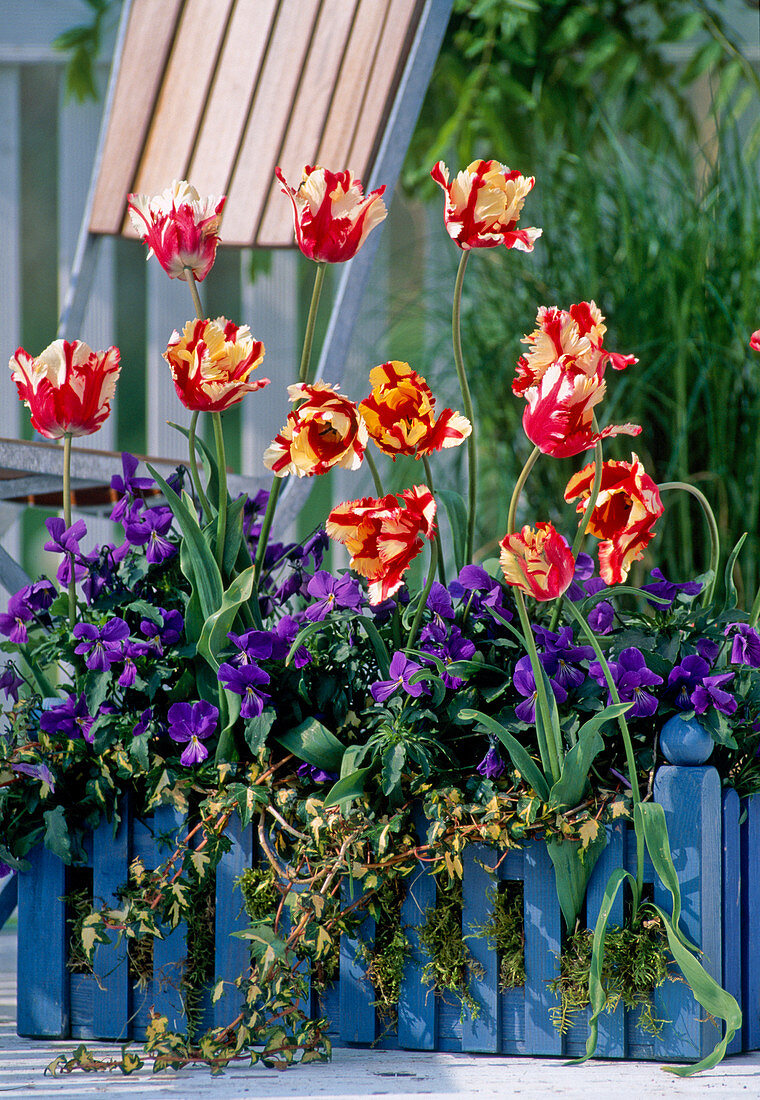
559	413
571	337
68	388
180	228
332	216
483	205
400	414
754	342
384	535
538	562
211	362
627	508
325	430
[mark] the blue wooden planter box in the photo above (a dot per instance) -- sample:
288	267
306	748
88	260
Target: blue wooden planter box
716	858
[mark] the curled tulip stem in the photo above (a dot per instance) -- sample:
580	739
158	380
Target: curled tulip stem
375	473
712	527
67	521
221	516
194	472
197	305
437	536
472	451
519	486
424	595
308	340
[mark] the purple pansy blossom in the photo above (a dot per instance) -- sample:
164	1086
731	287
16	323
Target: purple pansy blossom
315	547
401	670
525	683
128	486
482	590
449	649
668	590
315	774
332	592
245	681
684	677
13	622
601	617
492	765
70	719
167	633
559	656
130	651
65	540
10	682
439	602
631	675
143	722
191	724
36	771
710	694
745	647
103	645
584	570
285	633
150	528
255	645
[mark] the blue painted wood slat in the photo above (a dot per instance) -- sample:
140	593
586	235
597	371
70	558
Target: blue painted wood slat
232	955
170	953
543	940
732	908
43	980
750	893
357	1013
611	1042
110	870
418	1003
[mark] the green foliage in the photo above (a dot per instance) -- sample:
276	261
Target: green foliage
386	958
451	963
506	930
82	45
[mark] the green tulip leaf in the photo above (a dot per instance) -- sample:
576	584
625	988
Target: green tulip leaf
520	758
314	743
348	788
568	790
213	637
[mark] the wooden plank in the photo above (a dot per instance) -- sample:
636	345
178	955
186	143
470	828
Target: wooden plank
383	79
543	940
732	905
43	979
691	799
750	894
481	1033
418	1003
232	955
146	48
611	1025
110	870
308	116
358	1022
230	97
350	89
170	953
275	94
8	897
182	99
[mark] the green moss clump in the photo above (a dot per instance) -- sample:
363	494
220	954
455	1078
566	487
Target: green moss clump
385	959
635	964
260	895
450	962
78	906
506	930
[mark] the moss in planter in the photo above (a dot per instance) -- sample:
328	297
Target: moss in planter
506	930
260	895
385	959
635	964
450	962
78	903
199	968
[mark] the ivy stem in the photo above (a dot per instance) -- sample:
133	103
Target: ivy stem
519	486
194	472
437	535
308	340
472	453
375	473
712	527
67	522
580	534
190	276
221	517
424	595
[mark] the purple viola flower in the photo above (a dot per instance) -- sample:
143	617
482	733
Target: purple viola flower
449	649
292	584
668	590
130	652
332	593
13	622
632	676
128	486
560	657
167	633
40	595
584	570
5	870
255	645
103	645
439	602
484	589
191	724
150	528
315	774
601	617
143	722
710	694
684	677
525	684
745	648
492	765
315	547
401	670
10	682
284	634
70	719
245	681
35	771
65	540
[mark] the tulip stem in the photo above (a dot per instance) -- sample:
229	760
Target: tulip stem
472	454
194	472
308	340
67	522
424	595
712	527
197	304
437	535
583	525
551	751
375	473
519	486
221	517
